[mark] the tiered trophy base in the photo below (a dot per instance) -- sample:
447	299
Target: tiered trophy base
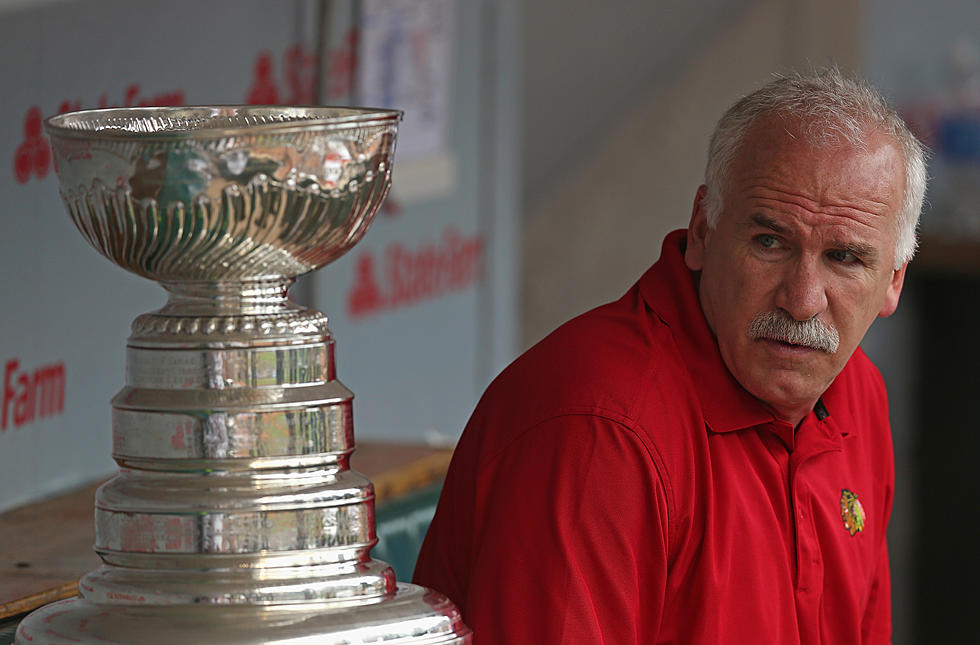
413	615
235	517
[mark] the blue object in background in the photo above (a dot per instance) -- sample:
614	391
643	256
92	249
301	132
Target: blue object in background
401	524
959	137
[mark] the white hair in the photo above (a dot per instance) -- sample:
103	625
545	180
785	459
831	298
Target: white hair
829	108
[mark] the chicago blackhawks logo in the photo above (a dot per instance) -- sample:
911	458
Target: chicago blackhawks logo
851	512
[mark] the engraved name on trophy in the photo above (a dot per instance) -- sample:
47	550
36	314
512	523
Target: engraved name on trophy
234	517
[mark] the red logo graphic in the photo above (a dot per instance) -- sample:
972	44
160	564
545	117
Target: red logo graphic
299	68
27	395
343	66
134	98
366	296
33	155
299	74
391	207
173	534
413	276
263	90
185	430
69	106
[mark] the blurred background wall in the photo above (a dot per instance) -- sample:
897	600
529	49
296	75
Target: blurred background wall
575	139
619	100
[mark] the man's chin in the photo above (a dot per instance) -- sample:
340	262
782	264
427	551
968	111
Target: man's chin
784	376
786	391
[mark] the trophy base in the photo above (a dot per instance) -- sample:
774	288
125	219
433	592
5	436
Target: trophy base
411	615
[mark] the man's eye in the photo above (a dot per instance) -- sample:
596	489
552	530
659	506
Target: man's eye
842	256
768	241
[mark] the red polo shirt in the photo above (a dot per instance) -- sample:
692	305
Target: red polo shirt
616	485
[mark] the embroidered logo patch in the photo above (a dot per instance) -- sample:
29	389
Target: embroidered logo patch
851	512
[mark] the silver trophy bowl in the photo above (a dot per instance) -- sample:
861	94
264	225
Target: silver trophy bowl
235	517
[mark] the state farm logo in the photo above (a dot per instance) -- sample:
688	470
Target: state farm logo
414	275
31	394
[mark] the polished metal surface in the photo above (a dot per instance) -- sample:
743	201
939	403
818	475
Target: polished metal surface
214	194
235	517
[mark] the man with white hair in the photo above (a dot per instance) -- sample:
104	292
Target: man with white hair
707	459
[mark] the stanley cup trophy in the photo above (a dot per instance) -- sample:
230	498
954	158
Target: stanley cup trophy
234	517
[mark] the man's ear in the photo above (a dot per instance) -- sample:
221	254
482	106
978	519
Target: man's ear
697	232
894	290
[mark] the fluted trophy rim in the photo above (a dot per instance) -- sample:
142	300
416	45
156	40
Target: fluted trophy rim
111	123
223	193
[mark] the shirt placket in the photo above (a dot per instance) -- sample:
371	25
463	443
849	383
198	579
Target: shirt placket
813	439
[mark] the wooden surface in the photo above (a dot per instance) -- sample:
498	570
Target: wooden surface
45	547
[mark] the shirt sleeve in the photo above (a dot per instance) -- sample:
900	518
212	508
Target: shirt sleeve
569	541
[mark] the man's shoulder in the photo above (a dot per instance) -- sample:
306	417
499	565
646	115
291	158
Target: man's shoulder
858	398
861	380
617	361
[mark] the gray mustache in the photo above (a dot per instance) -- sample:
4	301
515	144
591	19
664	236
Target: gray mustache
778	325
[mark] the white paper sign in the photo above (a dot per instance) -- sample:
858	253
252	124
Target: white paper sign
406	57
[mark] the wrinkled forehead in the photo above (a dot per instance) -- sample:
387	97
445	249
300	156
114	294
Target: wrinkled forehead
818	158
830	174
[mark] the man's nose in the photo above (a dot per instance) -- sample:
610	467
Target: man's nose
802	292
